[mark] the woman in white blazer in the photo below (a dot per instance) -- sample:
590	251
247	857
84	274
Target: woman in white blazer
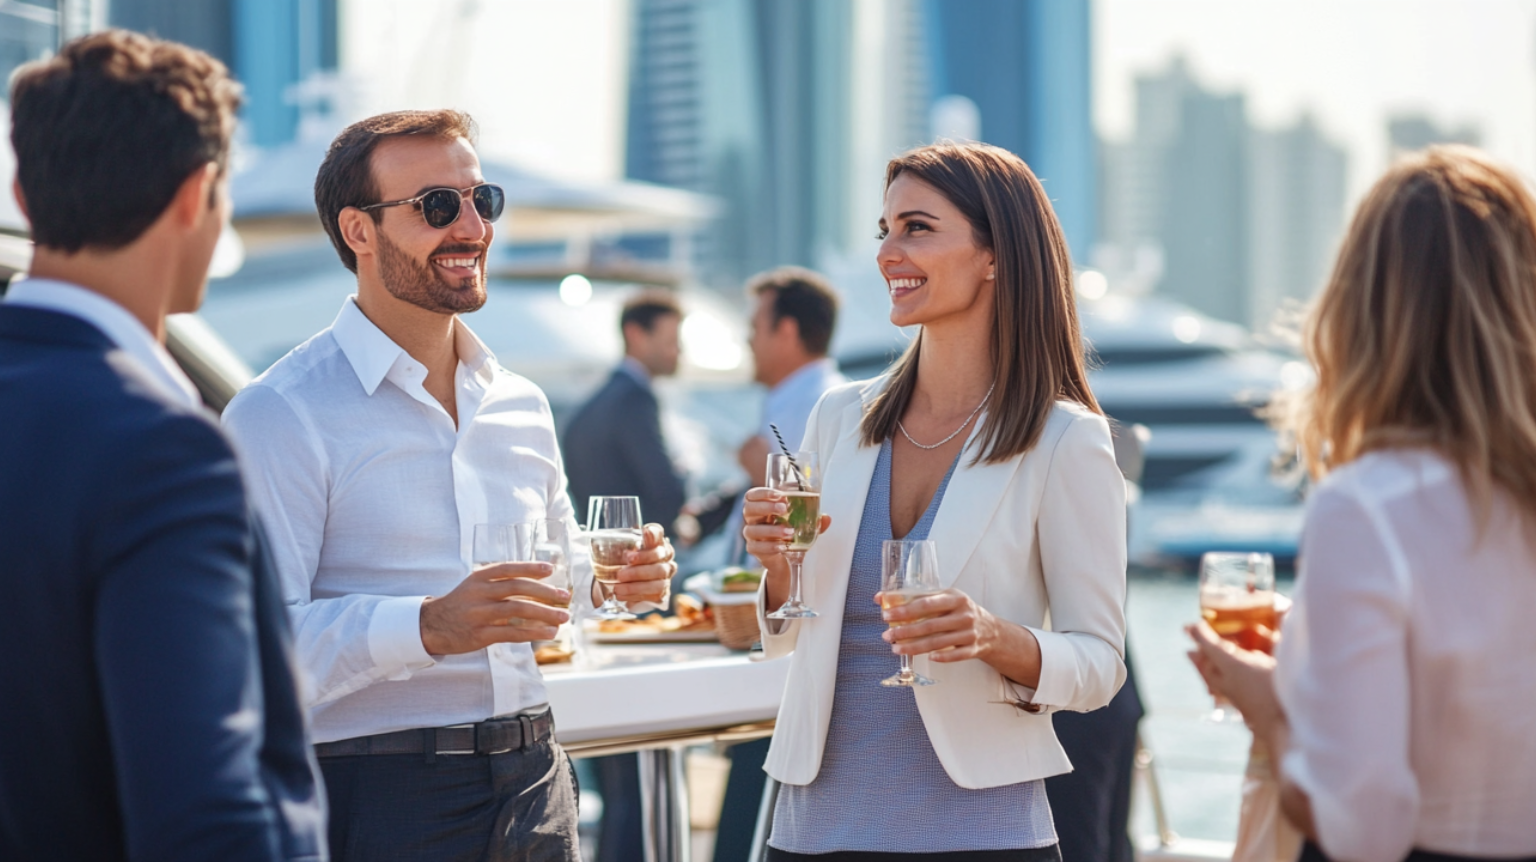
985	438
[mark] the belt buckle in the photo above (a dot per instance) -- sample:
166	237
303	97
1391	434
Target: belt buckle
498	737
474	733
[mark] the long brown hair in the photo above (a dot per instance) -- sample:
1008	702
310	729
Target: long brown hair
1426	333
1037	346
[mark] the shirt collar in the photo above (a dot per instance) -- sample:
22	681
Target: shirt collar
115	322
636	369
814	369
373	354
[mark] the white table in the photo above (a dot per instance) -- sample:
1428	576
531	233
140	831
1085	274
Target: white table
655	699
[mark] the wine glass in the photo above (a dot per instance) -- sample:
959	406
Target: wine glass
797	476
494	544
615	529
909	569
548	540
1237	595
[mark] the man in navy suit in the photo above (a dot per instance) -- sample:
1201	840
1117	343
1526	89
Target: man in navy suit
614	443
150	709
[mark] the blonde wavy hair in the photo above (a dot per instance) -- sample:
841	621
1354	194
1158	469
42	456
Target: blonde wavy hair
1425	335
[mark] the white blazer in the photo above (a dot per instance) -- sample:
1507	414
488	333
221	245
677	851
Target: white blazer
1038	540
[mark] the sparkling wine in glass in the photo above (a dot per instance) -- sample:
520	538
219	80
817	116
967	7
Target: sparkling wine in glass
1237	596
909	569
614	529
798	477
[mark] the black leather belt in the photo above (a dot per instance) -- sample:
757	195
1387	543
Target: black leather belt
495	736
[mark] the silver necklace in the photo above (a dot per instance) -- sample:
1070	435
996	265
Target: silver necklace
957	430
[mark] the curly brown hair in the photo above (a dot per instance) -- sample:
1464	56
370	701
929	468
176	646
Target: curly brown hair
107	130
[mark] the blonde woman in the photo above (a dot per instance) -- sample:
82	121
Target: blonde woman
1403	695
984	438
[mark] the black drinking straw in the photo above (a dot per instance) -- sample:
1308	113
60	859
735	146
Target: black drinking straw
799	480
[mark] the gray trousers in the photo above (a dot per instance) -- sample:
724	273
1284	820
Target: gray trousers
514	807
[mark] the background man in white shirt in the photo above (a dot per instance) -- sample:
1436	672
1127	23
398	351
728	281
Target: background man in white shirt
793	316
374	448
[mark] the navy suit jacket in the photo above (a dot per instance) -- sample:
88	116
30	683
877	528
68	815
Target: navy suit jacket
613	446
148	708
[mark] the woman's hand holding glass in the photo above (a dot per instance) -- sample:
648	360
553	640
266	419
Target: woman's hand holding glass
947	625
766	536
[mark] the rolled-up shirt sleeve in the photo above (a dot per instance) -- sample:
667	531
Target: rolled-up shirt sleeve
1343	678
1081	536
344	643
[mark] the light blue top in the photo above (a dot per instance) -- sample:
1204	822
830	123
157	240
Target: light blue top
881	786
789	404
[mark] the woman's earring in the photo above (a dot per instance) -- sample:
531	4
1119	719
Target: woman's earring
991	275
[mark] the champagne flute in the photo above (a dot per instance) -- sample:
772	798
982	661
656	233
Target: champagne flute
1237	595
798	477
615	529
909	569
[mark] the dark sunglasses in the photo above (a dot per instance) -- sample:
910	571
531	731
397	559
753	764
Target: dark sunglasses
441	207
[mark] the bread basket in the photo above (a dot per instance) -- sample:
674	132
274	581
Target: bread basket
735	613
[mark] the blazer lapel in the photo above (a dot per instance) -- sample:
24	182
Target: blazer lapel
965	513
845	485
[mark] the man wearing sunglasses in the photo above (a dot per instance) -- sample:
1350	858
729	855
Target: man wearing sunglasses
374	449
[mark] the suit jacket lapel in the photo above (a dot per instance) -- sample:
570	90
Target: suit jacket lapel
965	513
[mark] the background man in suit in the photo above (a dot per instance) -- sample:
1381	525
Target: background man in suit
151	709
614	446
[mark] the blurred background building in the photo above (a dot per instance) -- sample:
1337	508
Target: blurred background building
787	110
1240	218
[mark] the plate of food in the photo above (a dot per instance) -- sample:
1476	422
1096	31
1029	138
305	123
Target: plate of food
692	623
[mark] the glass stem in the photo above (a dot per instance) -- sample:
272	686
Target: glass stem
796	560
906	666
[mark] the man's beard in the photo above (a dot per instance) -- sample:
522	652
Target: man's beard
420	284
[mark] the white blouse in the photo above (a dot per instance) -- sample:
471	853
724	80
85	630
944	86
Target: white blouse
1408	666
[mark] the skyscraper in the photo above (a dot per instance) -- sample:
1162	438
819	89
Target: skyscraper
747	100
1297	215
1182	183
1409	132
1026	66
270	45
787	110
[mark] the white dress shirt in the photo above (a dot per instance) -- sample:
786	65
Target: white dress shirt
120	326
370	495
1408	666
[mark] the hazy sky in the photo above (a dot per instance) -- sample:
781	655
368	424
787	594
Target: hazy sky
546	78
1350	62
543	78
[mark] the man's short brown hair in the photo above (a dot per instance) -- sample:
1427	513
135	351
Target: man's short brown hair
804	296
107	130
645	308
346	176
